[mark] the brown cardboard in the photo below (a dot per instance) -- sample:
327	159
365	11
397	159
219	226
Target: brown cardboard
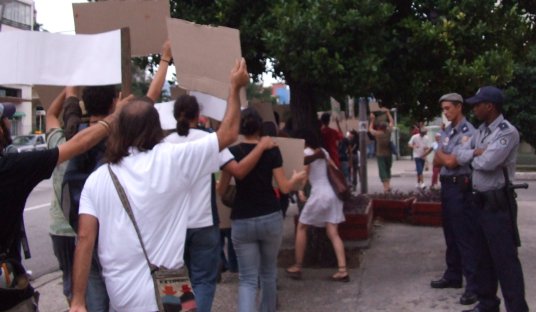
177	91
204	56
292	153
374	106
265	110
145	18
47	94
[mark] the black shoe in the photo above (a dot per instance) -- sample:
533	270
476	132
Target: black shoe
479	309
468	298
445	283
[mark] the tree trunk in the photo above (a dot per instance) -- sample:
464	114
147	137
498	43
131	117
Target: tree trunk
303	103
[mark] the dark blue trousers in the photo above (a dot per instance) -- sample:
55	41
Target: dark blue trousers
458	228
498	262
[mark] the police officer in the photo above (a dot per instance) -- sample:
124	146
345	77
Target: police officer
492	148
458	217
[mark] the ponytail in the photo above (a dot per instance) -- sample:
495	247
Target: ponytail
185	110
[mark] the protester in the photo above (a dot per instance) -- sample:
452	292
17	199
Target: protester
458	217
6	112
257	222
20	173
157	178
420	143
202	250
61	232
344	158
322	209
492	153
330	137
384	157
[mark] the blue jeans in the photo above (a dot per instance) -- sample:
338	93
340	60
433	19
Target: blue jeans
229	262
257	241
97	299
202	257
419	165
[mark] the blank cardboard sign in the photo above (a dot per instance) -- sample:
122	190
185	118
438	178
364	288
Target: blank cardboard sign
145	18
204	56
292	154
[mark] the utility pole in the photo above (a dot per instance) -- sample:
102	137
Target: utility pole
363	129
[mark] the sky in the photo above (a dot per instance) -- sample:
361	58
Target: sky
56	16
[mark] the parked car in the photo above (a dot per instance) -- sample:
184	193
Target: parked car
31	142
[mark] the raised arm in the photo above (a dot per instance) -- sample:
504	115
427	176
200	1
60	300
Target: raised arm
72	113
389	117
371	124
53	112
160	77
228	131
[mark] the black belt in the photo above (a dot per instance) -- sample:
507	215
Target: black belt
455	179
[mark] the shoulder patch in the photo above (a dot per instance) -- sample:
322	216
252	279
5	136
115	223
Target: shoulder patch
503	126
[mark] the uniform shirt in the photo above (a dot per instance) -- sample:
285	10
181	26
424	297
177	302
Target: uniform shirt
500	140
157	183
201	214
453	139
420	144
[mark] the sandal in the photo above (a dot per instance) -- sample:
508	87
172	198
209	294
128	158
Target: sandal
341	275
294	271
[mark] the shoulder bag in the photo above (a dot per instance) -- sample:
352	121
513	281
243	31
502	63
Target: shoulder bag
173	289
337	180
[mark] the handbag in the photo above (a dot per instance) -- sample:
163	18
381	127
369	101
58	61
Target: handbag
172	287
338	181
229	195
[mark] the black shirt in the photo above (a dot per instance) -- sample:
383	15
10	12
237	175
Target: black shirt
19	174
255	194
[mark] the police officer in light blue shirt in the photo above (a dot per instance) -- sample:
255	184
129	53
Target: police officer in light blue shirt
492	148
456	196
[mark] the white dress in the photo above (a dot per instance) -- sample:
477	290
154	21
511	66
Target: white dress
322	206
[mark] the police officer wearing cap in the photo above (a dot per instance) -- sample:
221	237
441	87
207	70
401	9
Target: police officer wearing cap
456	196
492	148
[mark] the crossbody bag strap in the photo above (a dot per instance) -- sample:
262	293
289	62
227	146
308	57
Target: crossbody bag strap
128	209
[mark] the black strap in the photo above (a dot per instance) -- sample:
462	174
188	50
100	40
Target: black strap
130	213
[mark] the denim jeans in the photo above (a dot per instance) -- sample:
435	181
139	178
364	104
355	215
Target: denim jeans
63	247
419	165
202	257
257	241
229	261
97	299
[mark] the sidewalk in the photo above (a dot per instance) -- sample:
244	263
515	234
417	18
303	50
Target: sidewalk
394	273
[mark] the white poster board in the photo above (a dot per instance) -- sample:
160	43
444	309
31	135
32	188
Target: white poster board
31	57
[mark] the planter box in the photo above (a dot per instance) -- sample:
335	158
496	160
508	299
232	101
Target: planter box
392	209
426	213
357	226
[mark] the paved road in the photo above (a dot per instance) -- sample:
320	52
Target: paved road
37	217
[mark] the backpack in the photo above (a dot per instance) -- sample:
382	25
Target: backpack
78	170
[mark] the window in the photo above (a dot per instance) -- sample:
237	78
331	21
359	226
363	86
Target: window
17	14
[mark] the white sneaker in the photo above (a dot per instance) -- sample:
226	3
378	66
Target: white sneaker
422	185
418	185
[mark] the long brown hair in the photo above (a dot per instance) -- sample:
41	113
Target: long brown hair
138	126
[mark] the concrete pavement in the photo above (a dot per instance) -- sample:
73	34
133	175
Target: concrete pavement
394	273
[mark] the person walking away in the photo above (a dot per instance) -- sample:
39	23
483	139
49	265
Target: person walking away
382	136
202	250
322	209
492	153
257	221
330	137
420	143
457	213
